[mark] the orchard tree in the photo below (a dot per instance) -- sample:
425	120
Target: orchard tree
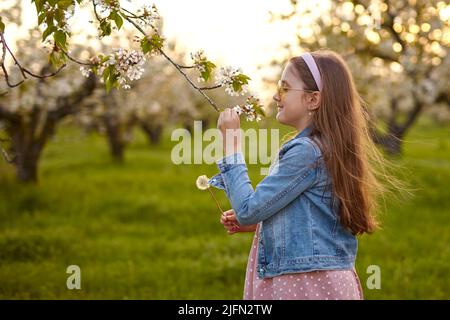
114	113
30	113
103	112
116	69
158	100
398	51
122	66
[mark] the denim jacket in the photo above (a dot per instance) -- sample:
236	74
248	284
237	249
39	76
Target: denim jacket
298	215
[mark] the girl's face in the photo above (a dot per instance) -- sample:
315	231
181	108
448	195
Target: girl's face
294	104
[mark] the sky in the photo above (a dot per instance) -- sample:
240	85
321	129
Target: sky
233	32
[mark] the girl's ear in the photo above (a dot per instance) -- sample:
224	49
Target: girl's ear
314	101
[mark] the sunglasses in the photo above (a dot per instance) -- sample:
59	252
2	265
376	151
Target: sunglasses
281	90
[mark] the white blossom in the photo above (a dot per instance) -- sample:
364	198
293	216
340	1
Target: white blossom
238	109
111	60
127	66
249	109
199	59
226	78
148	15
85	71
104	9
250	116
198	56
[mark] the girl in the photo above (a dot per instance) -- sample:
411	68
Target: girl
320	195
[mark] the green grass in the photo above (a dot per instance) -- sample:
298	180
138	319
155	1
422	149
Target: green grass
142	230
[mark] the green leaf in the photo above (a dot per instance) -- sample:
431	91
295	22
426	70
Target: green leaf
242	78
48	31
260	111
49	18
60	39
119	21
151	44
107	73
145	45
57	59
105	26
108	85
65	4
52	59
2	26
111	82
156	42
209	66
103	58
116	18
236	86
59	15
41	18
39	5
205	75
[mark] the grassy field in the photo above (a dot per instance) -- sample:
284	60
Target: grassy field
142	230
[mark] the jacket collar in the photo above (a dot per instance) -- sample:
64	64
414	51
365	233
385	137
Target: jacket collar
305	132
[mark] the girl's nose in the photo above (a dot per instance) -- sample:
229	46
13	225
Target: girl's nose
275	97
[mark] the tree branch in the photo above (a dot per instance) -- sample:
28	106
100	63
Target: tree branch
74	59
389	25
377	53
70	104
176	66
24	71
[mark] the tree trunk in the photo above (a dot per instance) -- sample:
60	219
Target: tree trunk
189	127
27	168
115	141
153	132
28	148
29	137
392	141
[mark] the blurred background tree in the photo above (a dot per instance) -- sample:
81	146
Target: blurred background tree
398	52
31	112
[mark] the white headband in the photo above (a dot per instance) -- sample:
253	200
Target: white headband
308	58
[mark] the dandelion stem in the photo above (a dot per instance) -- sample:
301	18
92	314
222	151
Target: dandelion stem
218	205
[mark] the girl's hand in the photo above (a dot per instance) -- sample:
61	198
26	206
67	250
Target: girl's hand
230	223
229	122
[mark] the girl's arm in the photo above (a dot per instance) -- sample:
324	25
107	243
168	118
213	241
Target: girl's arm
294	173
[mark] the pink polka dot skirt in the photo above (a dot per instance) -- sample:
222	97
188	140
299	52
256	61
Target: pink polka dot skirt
314	285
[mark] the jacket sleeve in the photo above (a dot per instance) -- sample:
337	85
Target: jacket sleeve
294	173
